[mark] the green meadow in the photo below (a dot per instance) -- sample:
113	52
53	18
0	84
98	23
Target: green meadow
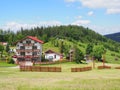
108	79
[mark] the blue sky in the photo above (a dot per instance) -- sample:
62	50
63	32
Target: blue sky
103	16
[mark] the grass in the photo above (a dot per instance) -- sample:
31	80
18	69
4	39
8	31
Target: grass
111	59
48	46
4	64
13	79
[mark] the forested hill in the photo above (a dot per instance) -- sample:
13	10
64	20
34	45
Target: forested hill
115	36
78	33
70	33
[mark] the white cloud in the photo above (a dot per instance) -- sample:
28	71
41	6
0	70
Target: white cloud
90	13
17	26
111	6
113	11
70	0
105	29
81	22
78	17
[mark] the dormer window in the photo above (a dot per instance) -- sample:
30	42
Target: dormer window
28	41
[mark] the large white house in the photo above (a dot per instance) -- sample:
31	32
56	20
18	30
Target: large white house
53	56
29	49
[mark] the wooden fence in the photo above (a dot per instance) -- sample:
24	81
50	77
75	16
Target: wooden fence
117	67
40	69
104	67
81	69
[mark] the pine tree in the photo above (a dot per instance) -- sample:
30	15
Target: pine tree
7	48
1	49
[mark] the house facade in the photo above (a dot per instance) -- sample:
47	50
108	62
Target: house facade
3	43
29	49
53	56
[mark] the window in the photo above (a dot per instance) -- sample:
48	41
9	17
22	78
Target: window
22	47
28	41
22	53
34	47
34	53
54	56
50	57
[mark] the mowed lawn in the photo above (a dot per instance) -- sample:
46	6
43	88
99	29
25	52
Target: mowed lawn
107	79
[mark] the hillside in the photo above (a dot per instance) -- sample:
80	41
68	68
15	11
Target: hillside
115	36
71	36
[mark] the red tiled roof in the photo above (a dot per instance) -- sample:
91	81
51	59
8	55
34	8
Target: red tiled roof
35	39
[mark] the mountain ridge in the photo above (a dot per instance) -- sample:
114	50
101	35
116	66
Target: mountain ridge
114	36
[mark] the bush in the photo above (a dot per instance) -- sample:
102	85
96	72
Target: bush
112	54
116	59
11	61
118	56
78	55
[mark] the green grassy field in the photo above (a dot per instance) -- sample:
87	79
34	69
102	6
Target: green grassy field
4	64
13	79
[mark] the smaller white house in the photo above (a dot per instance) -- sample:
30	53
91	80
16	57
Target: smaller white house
53	56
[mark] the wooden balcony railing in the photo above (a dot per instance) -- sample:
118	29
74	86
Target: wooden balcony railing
20	50
36	50
28	50
20	56
36	56
28	56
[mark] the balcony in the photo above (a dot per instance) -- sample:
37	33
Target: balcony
36	50
20	56
36	56
28	50
20	50
28	56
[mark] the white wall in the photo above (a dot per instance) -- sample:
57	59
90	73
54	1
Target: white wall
28	47
26	53
52	54
18	45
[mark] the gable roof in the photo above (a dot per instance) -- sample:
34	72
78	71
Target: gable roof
35	39
32	38
50	51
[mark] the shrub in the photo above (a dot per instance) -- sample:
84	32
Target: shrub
11	61
112	54
118	56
